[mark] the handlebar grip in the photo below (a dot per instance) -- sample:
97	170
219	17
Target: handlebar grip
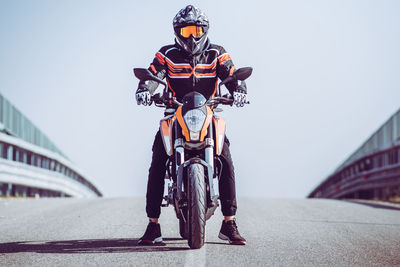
227	100
162	101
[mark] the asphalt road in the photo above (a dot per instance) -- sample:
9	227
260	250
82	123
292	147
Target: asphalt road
280	232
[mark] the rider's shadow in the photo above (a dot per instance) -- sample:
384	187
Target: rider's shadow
88	246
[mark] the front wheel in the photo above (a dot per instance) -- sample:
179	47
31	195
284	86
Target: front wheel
196	205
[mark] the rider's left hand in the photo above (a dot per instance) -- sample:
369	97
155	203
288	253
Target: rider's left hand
239	97
143	97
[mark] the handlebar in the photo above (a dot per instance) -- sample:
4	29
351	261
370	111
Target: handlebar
162	101
224	100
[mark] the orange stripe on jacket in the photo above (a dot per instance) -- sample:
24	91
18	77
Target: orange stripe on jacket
160	58
170	88
212	74
171	74
153	69
173	68
232	70
203	66
223	58
172	65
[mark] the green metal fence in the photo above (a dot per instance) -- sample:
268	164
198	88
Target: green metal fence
18	125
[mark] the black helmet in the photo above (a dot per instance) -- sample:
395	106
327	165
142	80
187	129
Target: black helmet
191	27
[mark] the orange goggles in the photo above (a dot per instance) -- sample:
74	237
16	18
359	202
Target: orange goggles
196	31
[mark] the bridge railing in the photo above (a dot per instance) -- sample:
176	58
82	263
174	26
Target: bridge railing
372	176
15	123
54	165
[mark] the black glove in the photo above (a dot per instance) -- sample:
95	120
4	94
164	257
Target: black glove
143	96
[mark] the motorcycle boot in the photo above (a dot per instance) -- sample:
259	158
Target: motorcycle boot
152	235
230	232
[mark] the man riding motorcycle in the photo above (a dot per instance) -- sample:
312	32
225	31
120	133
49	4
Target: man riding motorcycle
191	64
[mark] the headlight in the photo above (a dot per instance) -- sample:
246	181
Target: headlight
194	120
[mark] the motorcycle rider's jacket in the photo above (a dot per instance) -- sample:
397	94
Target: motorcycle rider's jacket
186	73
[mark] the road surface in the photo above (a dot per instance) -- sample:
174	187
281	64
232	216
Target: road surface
280	232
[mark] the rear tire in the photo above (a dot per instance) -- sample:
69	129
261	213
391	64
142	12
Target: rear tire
196	205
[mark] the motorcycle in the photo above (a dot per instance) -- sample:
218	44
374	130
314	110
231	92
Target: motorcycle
193	138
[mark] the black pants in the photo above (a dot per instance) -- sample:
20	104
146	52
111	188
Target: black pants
155	184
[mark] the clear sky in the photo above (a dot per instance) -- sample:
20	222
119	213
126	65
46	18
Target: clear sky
326	76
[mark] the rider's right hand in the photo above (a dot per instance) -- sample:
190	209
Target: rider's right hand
143	97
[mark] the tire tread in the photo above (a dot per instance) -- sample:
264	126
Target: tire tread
197	206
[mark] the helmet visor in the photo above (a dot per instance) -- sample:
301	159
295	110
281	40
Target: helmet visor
196	31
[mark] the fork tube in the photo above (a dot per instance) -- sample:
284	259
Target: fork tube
179	150
180	156
209	156
209	150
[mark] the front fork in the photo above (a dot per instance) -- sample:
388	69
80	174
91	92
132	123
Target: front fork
176	190
181	164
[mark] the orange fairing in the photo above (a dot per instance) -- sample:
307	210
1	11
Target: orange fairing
185	130
166	134
182	123
219	124
206	124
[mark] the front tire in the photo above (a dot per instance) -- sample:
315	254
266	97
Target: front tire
196	205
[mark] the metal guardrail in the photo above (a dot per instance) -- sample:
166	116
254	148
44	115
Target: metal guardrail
20	179
39	160
373	176
372	171
21	141
387	136
370	180
13	122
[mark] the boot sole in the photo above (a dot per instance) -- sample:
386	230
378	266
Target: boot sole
150	242
224	237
